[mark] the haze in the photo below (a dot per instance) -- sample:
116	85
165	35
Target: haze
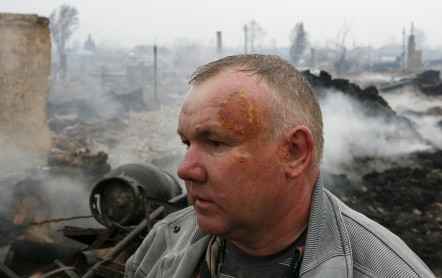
132	22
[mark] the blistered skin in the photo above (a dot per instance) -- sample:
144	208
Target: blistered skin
238	115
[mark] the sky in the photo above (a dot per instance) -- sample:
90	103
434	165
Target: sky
132	22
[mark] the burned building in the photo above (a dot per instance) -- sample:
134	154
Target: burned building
25	59
414	57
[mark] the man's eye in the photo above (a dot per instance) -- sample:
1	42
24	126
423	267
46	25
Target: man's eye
215	143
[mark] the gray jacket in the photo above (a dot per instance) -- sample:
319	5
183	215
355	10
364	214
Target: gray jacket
340	243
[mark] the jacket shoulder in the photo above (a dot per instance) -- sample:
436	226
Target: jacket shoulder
376	251
168	235
186	213
177	228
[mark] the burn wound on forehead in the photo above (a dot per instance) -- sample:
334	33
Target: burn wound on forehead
239	115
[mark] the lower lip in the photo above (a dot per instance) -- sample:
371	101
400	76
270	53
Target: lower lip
201	204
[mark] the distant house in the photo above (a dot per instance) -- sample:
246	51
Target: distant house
387	58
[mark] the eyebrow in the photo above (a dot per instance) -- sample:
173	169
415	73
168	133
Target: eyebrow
207	131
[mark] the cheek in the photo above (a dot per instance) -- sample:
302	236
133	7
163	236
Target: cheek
235	172
242	173
252	170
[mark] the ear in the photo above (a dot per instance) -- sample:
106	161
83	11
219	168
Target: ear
299	145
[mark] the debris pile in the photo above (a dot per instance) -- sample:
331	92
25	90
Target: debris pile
403	194
429	82
405	199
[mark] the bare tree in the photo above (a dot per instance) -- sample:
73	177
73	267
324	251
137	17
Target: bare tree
299	43
63	23
254	34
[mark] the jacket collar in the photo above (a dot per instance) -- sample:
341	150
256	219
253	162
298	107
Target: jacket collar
327	239
327	249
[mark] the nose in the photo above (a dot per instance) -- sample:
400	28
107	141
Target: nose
191	167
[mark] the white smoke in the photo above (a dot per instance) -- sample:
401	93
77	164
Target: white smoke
376	79
65	196
424	111
350	134
68	198
15	165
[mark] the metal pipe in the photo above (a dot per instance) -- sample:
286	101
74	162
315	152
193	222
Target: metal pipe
58	270
117	249
219	44
6	270
245	38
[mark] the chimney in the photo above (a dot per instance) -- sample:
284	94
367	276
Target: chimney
219	44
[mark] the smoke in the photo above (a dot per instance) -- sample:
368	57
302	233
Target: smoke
85	98
15	161
424	111
151	137
367	79
15	164
350	134
68	198
24	174
410	98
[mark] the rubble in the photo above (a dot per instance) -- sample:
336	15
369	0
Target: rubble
406	200
429	82
369	95
404	195
133	101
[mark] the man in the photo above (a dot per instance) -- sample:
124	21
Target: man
253	131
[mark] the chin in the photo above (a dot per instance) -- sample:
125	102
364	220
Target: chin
211	226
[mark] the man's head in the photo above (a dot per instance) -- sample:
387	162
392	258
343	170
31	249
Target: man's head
249	168
292	100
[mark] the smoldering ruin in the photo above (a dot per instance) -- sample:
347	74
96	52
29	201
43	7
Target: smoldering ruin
88	157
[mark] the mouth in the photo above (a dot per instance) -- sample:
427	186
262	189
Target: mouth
201	203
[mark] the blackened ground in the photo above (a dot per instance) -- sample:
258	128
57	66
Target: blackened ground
406	200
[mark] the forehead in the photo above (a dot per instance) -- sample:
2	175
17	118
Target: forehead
215	90
235	100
